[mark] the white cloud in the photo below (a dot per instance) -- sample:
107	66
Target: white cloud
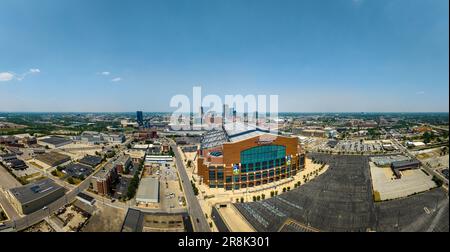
34	70
116	79
420	92
6	76
105	73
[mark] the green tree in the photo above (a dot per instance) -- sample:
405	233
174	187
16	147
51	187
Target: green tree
71	180
427	137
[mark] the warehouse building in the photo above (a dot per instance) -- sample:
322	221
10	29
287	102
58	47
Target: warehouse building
94	137
16	164
85	198
79	171
52	158
92	161
240	156
54	141
158	159
148	191
313	133
7	157
399	166
139	221
32	197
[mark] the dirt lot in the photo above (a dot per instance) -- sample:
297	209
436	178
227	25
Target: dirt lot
72	218
42	226
105	219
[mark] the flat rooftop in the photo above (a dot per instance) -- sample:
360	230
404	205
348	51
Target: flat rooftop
104	171
91	160
55	140
137	221
122	159
78	170
148	190
34	191
52	158
405	163
85	197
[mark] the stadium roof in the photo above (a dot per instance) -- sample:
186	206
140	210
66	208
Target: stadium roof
232	132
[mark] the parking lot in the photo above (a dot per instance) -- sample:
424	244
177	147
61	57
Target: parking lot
389	187
7	181
348	146
341	200
170	194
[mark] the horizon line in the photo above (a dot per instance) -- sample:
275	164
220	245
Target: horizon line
284	112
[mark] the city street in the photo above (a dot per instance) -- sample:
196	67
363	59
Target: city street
195	211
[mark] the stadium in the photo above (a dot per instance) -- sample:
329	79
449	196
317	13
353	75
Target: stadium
239	156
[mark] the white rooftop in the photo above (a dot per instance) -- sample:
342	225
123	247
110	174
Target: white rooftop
148	191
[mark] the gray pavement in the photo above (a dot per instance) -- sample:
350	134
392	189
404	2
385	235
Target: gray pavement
195	211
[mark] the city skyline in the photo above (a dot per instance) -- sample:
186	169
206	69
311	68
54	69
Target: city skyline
342	56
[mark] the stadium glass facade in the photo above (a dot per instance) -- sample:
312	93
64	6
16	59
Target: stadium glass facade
248	163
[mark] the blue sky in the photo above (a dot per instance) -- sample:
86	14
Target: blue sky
321	55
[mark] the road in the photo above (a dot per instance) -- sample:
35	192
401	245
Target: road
195	211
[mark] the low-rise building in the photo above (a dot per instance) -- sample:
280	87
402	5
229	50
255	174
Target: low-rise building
136	156
16	164
148	191
415	144
52	158
32	197
102	181
86	198
7	157
77	170
9	140
54	141
313	133
399	166
28	140
92	161
155	159
94	137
